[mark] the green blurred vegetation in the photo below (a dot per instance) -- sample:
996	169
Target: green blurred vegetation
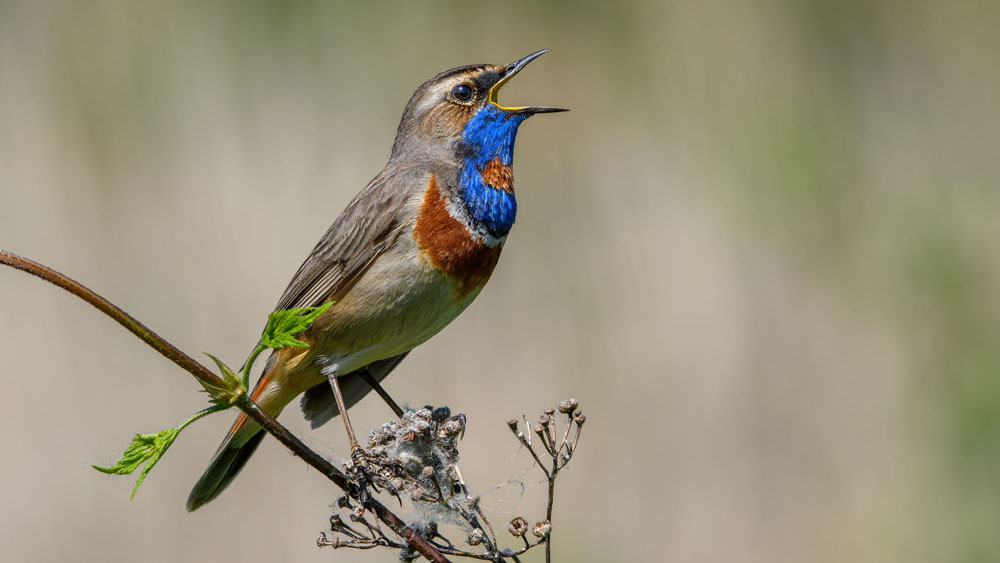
767	232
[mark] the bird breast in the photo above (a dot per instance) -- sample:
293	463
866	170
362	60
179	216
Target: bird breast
447	244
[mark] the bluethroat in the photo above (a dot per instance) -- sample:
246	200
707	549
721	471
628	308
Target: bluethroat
408	254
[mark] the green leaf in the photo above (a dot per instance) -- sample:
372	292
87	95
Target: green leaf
282	326
149	448
234	387
144	448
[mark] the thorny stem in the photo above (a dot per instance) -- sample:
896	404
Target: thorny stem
205	376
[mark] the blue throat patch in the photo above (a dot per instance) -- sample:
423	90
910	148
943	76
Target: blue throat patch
488	136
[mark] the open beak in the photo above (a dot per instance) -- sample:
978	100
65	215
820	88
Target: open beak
512	69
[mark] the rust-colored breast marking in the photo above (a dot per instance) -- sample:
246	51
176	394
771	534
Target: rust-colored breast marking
449	246
499	176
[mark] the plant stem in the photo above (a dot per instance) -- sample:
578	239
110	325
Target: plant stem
153	340
204	375
548	509
201	414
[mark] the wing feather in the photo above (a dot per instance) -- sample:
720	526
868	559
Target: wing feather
367	226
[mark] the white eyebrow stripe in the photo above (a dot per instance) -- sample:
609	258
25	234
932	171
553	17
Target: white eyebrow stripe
437	93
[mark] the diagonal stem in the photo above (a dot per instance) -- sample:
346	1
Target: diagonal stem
171	352
377	387
204	375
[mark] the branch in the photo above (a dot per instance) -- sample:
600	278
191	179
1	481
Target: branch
208	378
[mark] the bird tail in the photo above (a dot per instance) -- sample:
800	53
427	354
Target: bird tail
318	405
234	452
227	463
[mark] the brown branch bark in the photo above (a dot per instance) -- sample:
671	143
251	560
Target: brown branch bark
203	374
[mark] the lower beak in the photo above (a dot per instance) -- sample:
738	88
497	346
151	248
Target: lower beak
512	69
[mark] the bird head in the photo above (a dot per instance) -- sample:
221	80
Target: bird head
458	112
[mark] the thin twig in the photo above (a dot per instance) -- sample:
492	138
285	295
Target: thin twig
377	387
522	437
565	438
205	376
548	508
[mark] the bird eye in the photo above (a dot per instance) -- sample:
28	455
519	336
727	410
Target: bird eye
462	92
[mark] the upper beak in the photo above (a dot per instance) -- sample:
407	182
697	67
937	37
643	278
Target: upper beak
512	69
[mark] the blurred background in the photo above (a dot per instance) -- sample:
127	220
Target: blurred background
763	251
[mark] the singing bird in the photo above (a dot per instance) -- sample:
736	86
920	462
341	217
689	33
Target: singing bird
408	254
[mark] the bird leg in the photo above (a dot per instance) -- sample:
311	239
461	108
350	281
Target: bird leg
339	397
360	467
374	384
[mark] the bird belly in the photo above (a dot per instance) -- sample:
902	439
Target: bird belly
399	303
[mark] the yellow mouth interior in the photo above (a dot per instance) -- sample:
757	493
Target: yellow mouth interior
495	92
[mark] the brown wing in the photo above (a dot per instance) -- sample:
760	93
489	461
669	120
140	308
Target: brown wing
363	230
357	236
367	226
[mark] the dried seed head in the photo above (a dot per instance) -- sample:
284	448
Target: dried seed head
579	418
336	523
441	413
343	502
450	427
321	540
568	406
512	423
421	427
518	527
359	511
542	529
476	536
427	471
549	411
473	500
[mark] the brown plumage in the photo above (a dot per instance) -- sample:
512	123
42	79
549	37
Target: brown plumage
399	263
450	246
499	175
